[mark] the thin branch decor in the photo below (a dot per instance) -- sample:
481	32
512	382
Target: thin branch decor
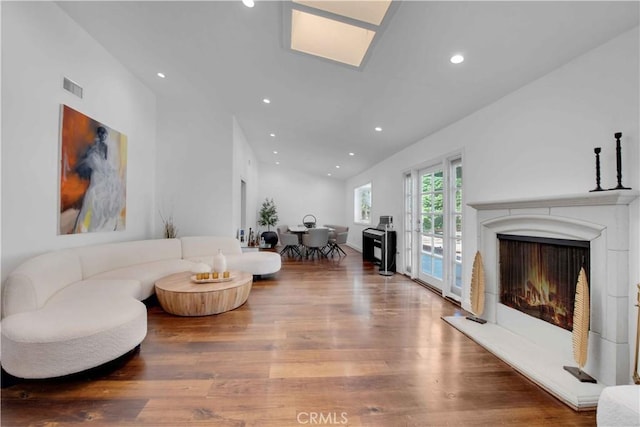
581	314
477	289
170	231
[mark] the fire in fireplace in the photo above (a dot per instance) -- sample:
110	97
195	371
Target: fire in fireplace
538	276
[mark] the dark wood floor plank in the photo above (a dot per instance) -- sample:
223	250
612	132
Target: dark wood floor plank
323	340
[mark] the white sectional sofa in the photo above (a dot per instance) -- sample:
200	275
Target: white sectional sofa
619	406
70	310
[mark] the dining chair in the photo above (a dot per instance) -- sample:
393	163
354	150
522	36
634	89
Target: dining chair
289	241
284	228
335	242
314	240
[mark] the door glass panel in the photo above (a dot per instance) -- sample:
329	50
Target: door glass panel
438	225
432	205
458	264
437	181
458	226
427	206
426	183
427	224
441	202
427	255
455	235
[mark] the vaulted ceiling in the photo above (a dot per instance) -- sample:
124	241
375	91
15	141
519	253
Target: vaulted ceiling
320	111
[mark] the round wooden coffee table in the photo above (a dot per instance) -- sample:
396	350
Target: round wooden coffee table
178	295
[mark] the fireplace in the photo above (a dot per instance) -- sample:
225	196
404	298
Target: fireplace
533	346
538	276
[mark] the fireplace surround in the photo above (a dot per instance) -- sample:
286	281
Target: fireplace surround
539	349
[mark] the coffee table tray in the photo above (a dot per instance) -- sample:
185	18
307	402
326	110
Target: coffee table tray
218	280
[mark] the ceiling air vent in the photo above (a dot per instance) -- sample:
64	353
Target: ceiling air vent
72	87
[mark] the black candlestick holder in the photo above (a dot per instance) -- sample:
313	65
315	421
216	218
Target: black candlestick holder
597	151
618	135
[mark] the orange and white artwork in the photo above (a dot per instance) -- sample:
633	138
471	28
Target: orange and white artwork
93	171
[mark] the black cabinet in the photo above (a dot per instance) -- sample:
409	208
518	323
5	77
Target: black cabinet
379	247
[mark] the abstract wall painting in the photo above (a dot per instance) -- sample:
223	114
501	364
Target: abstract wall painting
93	172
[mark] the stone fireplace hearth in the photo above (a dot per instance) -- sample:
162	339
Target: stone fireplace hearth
537	348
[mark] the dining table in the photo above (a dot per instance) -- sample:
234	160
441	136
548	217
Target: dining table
301	229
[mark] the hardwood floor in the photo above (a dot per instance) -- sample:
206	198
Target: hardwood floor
327	342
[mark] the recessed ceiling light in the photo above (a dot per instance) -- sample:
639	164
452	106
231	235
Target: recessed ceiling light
352	154
378	129
337	166
161	75
248	3
277	163
272	135
457	59
266	101
329	174
275	152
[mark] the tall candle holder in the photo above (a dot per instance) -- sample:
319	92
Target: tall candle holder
597	151
618	135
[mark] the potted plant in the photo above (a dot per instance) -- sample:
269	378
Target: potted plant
268	216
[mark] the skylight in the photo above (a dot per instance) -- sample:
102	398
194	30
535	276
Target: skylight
340	31
328	38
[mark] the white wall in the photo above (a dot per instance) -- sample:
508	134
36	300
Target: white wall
537	141
1	269
245	169
194	163
297	194
40	46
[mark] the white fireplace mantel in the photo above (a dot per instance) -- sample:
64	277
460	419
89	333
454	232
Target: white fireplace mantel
602	218
596	198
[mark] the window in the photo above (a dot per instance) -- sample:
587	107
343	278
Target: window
362	204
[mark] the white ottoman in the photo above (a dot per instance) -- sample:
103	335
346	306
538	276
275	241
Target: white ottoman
256	263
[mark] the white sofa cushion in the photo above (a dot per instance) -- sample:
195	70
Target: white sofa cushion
147	273
619	406
67	336
30	285
98	289
100	258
